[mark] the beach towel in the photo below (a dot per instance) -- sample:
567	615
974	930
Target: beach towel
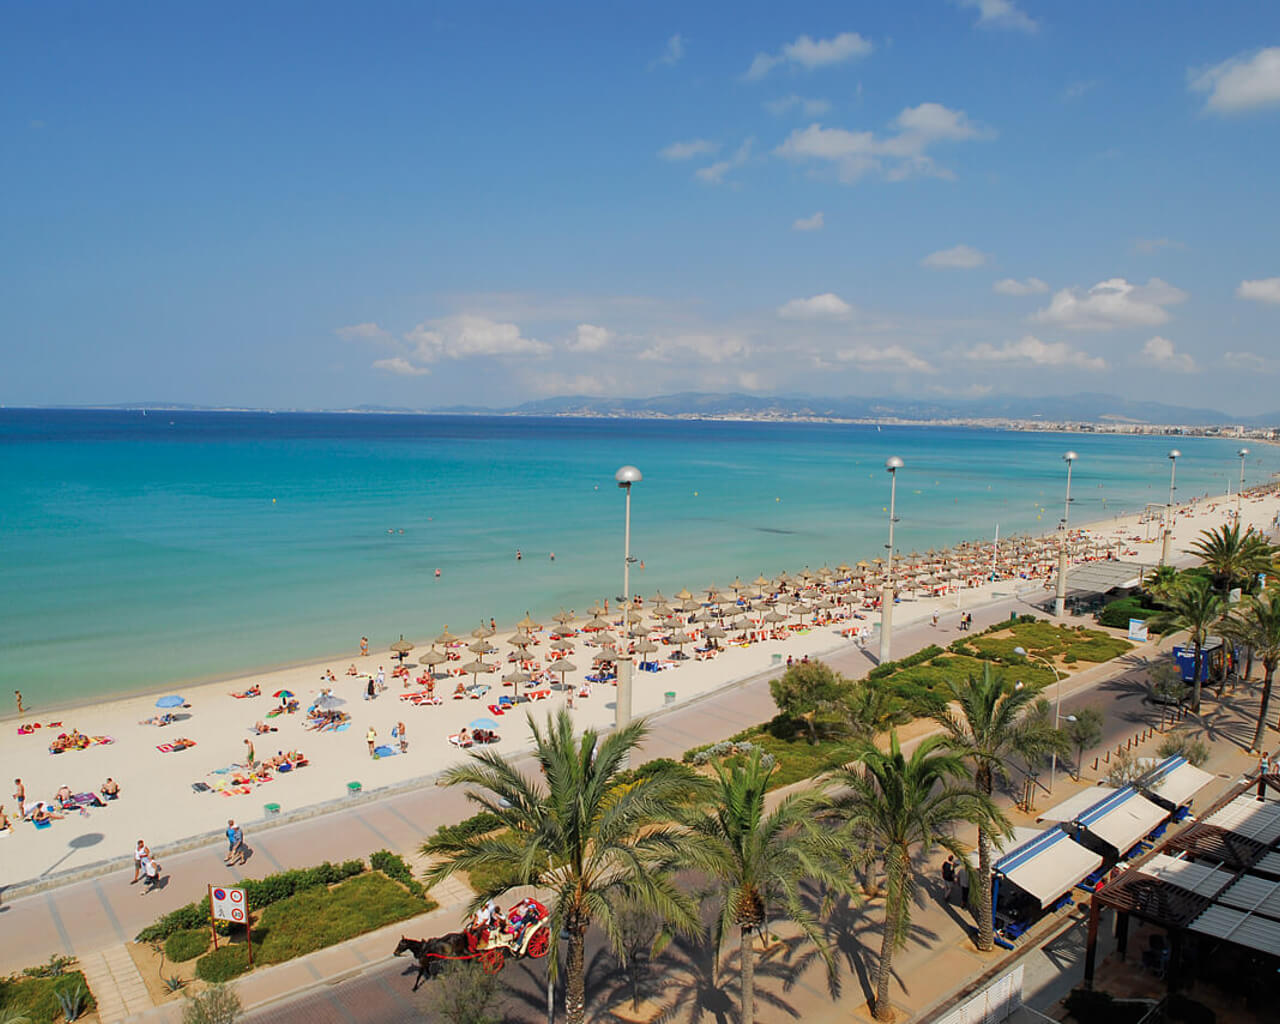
384	751
169	748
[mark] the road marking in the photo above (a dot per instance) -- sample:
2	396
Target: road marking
57	923
111	914
361	818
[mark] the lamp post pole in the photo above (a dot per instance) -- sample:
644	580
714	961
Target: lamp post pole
1243	452
1168	509
892	464
626	476
1060	599
1057	705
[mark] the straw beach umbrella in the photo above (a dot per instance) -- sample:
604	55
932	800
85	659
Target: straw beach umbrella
564	666
401	648
474	668
515	678
445	638
431	659
643	647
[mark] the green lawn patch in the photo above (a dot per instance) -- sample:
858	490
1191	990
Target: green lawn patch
186	944
923	686
1046	640
36	998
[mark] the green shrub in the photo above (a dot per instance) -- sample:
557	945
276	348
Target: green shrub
224	963
186	944
890	667
1069	659
36	998
259	892
476	825
218	1004
393	866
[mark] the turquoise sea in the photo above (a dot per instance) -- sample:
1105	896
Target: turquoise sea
137	552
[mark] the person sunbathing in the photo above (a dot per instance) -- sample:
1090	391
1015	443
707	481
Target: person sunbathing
43	813
460	691
5	824
332	678
352	670
464	737
110	789
262	727
63	796
164	719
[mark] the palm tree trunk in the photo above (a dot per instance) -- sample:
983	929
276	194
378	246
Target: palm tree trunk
1261	731
884	970
986	927
748	951
1196	662
575	995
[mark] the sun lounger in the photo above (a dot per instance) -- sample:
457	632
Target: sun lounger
201	787
496	709
538	694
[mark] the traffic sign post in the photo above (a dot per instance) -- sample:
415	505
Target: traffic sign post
230	904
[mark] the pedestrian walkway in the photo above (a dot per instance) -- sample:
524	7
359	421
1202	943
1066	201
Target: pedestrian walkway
117	986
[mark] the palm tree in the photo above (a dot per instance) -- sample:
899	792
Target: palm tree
589	835
1162	580
1234	558
1195	607
870	709
905	806
758	858
1258	625
988	725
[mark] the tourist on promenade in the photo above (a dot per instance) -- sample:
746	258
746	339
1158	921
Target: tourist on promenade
150	874
949	878
235	843
139	853
934	618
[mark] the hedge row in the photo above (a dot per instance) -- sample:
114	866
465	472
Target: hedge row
393	866
890	667
259	892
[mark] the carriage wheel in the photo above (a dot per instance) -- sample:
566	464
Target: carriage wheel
492	961
539	943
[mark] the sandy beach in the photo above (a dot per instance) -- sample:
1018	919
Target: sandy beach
159	800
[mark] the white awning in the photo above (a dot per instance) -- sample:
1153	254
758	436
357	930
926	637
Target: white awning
1073	806
1048	865
1185	874
1246	817
1123	818
1175	781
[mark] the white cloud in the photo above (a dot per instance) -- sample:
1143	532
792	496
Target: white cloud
362	332
1163	355
695	347
589	338
400	366
807	106
1150	245
812	53
1111	304
1242	83
1011	286
466	336
1000	14
1249	361
1266	289
1032	351
958	257
688	149
901	154
887	358
672	53
822	306
814	223
714	174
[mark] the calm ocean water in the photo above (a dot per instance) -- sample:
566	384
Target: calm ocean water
139	551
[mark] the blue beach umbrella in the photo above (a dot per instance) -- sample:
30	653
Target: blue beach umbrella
173	701
484	723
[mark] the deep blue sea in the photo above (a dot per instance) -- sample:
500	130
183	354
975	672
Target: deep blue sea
141	551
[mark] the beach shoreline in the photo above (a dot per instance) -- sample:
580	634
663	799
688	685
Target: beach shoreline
151	777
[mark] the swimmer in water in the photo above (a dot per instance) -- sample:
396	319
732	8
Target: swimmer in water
553	556
519	554
437	574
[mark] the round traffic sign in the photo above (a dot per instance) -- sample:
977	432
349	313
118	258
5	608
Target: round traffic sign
237	914
237	896
219	894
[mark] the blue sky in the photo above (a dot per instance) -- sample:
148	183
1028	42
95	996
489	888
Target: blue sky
325	205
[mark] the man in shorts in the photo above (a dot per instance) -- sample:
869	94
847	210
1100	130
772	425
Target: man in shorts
235	843
140	852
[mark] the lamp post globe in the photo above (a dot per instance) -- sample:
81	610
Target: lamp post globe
891	465
627	476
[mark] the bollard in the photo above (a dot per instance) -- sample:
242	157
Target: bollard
1095	764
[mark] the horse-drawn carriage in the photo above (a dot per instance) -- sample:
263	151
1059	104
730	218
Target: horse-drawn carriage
523	932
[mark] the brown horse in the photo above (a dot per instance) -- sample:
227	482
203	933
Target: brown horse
432	954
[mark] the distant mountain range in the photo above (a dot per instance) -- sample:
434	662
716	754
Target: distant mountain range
1084	407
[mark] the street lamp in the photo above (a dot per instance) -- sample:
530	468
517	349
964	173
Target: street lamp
1057	705
892	464
1174	455
626	476
1243	452
1060	600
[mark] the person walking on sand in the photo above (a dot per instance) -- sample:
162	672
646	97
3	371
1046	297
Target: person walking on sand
250	757
20	795
369	690
18	694
139	852
404	740
371	737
